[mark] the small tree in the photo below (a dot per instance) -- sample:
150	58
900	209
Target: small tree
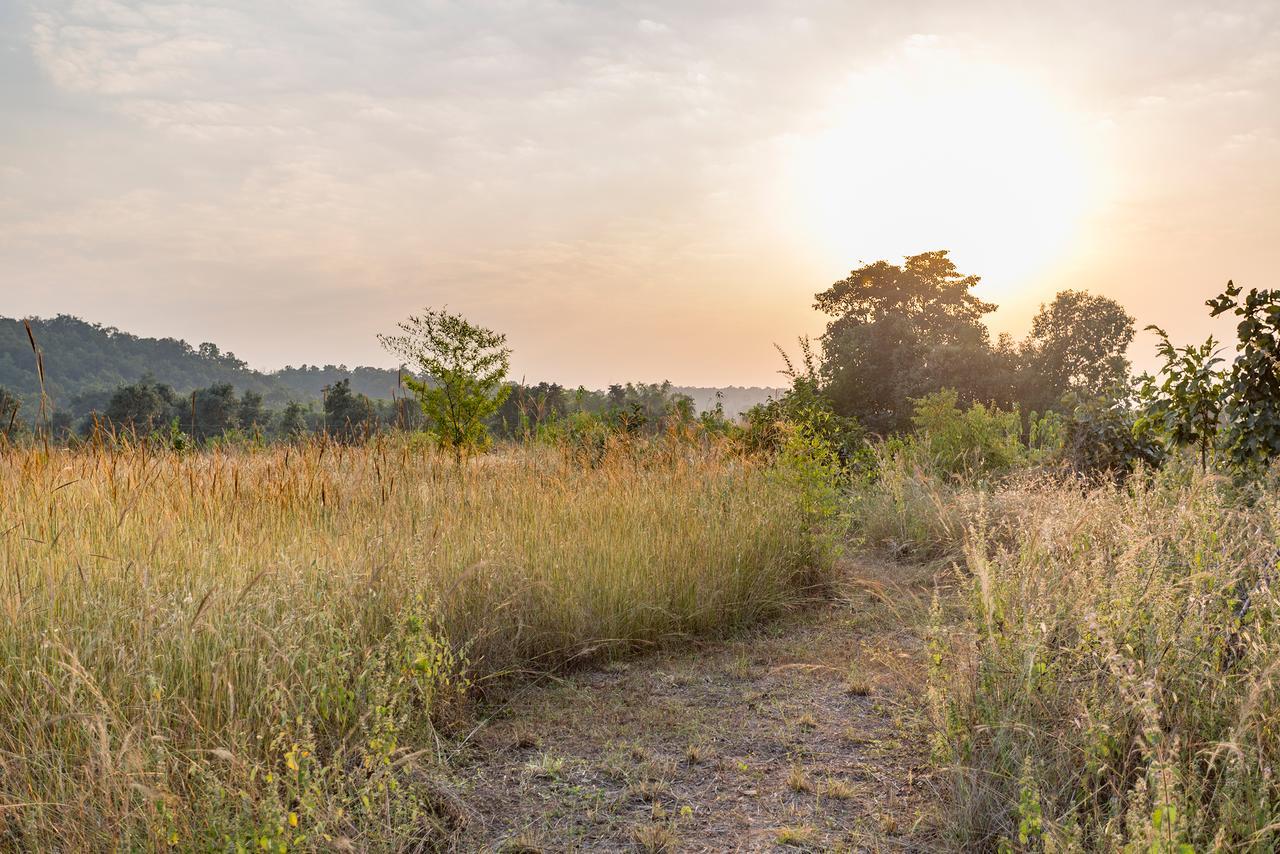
462	367
1185	401
251	415
1252	405
293	421
348	415
209	412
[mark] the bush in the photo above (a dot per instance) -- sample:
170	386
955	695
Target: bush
973	441
768	425
1101	441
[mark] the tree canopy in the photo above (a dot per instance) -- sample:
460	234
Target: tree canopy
1077	345
900	332
463	366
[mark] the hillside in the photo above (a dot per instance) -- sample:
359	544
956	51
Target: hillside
82	357
85	360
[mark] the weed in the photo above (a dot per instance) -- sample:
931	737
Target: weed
800	836
798	782
838	790
546	766
656	838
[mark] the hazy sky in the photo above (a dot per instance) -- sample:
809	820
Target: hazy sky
636	190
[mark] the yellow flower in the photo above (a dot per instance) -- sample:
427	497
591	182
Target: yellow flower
293	819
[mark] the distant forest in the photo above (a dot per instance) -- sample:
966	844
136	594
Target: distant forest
87	363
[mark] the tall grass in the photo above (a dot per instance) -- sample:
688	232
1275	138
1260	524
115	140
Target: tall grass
261	649
1118	686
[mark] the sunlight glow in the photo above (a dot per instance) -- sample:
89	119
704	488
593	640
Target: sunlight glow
933	151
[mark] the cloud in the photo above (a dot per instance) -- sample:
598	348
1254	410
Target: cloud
369	156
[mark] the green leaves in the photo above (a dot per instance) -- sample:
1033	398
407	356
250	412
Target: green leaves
1184	402
1251	389
461	368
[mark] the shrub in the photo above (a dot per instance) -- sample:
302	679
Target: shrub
977	440
1252	401
1184	403
1101	440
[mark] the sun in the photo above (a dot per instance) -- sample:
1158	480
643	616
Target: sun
932	151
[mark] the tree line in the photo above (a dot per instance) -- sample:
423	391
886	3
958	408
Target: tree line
904	345
149	409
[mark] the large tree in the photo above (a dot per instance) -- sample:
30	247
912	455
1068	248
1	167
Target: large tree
1077	346
901	331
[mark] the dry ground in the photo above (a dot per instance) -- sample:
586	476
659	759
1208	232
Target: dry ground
806	733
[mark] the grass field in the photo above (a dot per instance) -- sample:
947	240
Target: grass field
263	648
277	649
1116	685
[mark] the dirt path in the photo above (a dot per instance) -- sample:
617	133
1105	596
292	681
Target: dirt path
805	733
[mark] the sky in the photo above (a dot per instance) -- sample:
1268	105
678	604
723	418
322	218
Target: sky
629	190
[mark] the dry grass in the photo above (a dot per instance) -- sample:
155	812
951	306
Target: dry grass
263	648
798	835
1117	684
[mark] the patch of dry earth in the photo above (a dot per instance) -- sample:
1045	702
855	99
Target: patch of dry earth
806	733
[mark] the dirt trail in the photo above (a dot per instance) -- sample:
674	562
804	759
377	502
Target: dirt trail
806	733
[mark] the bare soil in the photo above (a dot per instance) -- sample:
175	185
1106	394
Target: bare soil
807	733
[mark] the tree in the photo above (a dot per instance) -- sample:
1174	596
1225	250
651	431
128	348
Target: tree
209	412
251	415
927	290
1184	403
10	404
347	415
141	407
462	368
900	332
1077	345
293	421
1252	400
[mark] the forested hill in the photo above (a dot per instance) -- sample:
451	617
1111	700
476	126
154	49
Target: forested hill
88	359
82	357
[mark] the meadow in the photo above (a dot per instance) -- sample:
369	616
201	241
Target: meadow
270	648
1113	683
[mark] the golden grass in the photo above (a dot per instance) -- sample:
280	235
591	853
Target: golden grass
1118	686
261	647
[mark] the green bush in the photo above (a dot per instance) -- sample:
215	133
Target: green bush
974	441
1102	440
